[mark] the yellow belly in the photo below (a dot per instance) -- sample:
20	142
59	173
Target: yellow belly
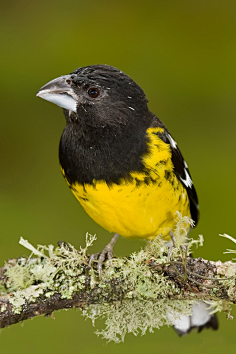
141	212
145	206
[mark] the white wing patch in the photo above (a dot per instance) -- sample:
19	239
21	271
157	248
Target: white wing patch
187	180
173	143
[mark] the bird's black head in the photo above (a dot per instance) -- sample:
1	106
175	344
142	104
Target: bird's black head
98	96
107	118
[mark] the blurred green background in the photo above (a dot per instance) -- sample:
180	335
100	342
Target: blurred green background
183	54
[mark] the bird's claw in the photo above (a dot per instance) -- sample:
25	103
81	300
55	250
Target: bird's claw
100	257
106	252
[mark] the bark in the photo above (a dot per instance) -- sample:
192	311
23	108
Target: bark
199	279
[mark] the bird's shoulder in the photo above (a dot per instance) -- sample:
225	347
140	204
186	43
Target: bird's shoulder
179	164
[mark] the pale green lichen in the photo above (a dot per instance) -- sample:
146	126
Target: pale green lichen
231	239
144	305
19	297
3	308
135	316
140	310
52	270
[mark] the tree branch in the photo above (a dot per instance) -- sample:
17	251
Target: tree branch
134	294
207	280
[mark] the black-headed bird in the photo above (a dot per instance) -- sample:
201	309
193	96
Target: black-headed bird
122	164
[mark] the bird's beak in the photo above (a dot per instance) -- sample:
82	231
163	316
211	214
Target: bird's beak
59	91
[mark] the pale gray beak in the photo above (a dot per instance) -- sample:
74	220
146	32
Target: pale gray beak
59	92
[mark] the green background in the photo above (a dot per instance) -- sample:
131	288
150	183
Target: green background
183	54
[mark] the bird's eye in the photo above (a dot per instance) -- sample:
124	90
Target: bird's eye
93	92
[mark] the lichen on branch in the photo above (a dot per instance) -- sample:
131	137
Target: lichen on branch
135	293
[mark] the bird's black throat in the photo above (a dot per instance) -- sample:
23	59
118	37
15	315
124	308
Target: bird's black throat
109	153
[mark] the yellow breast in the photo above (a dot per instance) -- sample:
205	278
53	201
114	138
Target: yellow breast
144	205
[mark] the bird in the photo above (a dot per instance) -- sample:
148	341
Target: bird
122	164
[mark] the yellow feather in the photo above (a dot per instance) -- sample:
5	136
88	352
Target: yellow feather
143	209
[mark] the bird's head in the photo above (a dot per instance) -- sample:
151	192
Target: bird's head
97	96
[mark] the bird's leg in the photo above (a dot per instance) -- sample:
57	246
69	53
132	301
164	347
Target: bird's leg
171	246
107	251
184	256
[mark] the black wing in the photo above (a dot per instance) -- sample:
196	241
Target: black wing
180	169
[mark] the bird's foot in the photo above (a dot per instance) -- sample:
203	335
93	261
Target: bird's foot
184	254
101	256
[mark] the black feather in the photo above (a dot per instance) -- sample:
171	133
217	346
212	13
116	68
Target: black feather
179	169
106	138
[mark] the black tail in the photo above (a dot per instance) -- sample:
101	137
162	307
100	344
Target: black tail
201	318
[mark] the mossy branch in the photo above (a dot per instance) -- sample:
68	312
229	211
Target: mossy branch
134	294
